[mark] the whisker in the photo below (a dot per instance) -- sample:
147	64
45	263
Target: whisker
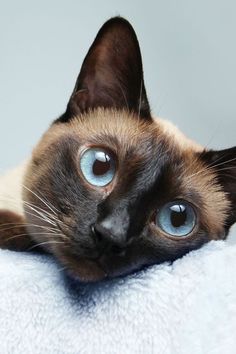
212	167
40	209
42	218
61	269
24	225
226	168
42	200
222	163
41	212
45	217
45	243
33	233
48	215
48	202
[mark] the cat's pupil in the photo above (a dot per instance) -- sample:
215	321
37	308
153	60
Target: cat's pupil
178	215
102	164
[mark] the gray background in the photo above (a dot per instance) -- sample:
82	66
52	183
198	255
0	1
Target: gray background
188	52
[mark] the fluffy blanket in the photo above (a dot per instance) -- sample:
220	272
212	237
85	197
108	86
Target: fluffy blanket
185	307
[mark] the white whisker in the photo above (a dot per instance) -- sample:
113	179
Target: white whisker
25	225
45	243
212	167
33	233
42	213
42	200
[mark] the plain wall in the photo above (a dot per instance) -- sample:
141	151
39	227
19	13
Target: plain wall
189	59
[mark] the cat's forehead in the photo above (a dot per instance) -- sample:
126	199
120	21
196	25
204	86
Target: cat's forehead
119	129
122	128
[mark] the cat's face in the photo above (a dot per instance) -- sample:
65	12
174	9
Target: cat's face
111	189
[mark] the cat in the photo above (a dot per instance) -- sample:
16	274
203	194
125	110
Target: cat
109	189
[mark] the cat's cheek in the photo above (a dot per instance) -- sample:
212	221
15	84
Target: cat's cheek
168	248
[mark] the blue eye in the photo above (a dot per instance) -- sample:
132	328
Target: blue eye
98	166
177	218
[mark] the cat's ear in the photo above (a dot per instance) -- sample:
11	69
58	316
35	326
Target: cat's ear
224	163
111	75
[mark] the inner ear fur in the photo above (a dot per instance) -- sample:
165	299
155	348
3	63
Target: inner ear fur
224	164
111	75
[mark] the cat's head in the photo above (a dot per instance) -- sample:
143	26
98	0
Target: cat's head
109	189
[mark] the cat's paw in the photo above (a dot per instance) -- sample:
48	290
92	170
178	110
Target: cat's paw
13	232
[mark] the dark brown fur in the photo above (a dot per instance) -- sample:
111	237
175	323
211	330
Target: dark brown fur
13	232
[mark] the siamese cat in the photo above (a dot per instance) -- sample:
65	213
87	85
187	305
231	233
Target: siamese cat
109	189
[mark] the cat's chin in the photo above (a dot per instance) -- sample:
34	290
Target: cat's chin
86	270
90	271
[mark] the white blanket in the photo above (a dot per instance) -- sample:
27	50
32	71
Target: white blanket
187	307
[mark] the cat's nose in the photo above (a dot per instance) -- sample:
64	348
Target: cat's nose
109	240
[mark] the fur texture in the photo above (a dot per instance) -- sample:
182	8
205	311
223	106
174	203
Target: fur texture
112	230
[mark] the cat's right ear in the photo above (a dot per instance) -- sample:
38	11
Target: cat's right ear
111	75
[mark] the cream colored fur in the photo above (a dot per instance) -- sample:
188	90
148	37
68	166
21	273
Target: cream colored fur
11	187
171	130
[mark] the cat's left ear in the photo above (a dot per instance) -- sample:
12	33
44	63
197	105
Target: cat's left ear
111	75
223	162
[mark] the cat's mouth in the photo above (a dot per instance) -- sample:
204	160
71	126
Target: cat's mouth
86	269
